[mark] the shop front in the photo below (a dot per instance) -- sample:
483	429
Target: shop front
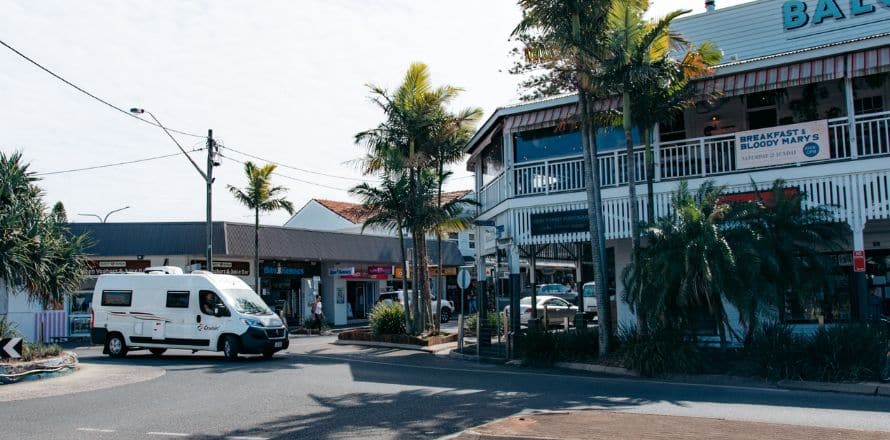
285	285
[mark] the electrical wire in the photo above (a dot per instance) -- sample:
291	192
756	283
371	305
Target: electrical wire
108	165
297	168
81	90
289	177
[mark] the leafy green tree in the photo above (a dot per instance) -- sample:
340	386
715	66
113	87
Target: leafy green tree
260	196
37	253
563	48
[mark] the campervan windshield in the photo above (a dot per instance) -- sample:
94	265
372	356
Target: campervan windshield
247	302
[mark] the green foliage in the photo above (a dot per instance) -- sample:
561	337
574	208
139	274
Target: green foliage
852	352
37	252
33	351
491	319
662	352
8	329
542	347
777	353
388	319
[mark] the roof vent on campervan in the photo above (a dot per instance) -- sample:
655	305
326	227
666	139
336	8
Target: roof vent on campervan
168	270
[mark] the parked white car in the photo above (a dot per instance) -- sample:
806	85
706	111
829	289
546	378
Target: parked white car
556	309
398	296
196	311
588	295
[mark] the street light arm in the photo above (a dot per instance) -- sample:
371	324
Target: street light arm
112	212
180	146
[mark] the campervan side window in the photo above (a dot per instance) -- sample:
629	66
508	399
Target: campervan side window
178	299
117	298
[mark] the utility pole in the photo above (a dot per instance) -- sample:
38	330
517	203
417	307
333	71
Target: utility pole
211	162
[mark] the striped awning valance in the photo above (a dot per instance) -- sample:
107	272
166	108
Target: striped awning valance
824	69
870	62
555	115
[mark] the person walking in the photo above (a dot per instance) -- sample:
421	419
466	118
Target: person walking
471	301
317	313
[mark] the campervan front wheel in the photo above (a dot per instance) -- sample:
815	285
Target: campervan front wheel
115	346
230	347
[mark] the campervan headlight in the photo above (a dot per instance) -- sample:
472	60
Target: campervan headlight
252	322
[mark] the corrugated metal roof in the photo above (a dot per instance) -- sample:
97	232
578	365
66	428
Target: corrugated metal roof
236	239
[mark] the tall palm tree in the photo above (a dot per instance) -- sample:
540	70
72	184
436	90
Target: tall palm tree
412	139
563	42
387	205
636	49
260	196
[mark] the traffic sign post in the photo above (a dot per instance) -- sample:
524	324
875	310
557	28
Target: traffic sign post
463	281
11	348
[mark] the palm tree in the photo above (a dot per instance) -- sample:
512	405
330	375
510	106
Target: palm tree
414	139
260	196
565	39
37	253
637	48
687	266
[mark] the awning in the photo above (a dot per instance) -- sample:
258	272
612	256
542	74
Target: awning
549	116
870	62
825	69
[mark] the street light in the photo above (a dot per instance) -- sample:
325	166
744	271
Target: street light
105	219
206	175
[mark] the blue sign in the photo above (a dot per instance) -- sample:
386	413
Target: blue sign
811	149
795	13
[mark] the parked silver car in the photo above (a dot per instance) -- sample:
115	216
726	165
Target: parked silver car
556	310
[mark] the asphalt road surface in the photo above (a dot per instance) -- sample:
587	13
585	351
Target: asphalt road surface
320	391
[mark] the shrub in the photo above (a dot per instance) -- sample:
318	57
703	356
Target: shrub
776	352
541	347
491	318
662	352
38	350
387	319
850	352
8	329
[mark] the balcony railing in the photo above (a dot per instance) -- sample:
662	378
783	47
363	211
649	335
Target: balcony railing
688	158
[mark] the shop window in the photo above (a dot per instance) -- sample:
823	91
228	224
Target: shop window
178	299
673	130
762	112
871	104
117	298
545	144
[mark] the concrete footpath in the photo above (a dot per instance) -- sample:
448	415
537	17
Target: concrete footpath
602	424
88	377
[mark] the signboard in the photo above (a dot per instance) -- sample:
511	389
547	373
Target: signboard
99	267
858	261
768	197
365	275
565	222
11	348
341	271
380	270
463	279
448	271
239	268
787	144
398	273
291	268
796	15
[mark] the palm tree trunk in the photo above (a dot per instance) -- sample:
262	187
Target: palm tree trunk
596	221
630	170
440	280
650	176
404	276
256	250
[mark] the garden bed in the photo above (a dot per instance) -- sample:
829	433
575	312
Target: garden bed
17	371
366	335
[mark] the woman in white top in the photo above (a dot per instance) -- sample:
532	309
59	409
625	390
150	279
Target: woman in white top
316	312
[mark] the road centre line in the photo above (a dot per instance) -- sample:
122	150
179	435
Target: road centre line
243	437
558	376
95	430
169	434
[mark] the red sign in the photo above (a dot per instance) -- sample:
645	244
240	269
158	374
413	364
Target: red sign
380	270
858	261
767	197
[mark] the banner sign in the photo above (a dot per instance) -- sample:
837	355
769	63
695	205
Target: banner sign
239	268
380	270
565	222
858	261
447	271
288	268
787	144
100	267
341	271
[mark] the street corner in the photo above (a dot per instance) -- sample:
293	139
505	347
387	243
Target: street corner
86	377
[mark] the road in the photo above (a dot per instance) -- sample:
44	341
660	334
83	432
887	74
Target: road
321	391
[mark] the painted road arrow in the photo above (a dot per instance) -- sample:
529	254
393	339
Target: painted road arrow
12	348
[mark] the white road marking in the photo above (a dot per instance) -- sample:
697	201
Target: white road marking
243	437
169	434
95	430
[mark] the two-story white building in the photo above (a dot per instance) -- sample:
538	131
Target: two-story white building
817	69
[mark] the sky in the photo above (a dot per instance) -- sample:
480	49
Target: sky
278	79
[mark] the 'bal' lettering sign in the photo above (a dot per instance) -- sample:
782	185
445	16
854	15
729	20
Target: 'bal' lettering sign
549	223
783	145
795	13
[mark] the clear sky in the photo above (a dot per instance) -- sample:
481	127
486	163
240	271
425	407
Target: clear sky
279	79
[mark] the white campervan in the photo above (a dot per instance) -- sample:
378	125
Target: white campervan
196	311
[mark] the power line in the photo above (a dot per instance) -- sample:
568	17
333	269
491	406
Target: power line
109	165
81	90
289	177
297	168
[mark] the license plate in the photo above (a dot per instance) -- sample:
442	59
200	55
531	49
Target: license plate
279	344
